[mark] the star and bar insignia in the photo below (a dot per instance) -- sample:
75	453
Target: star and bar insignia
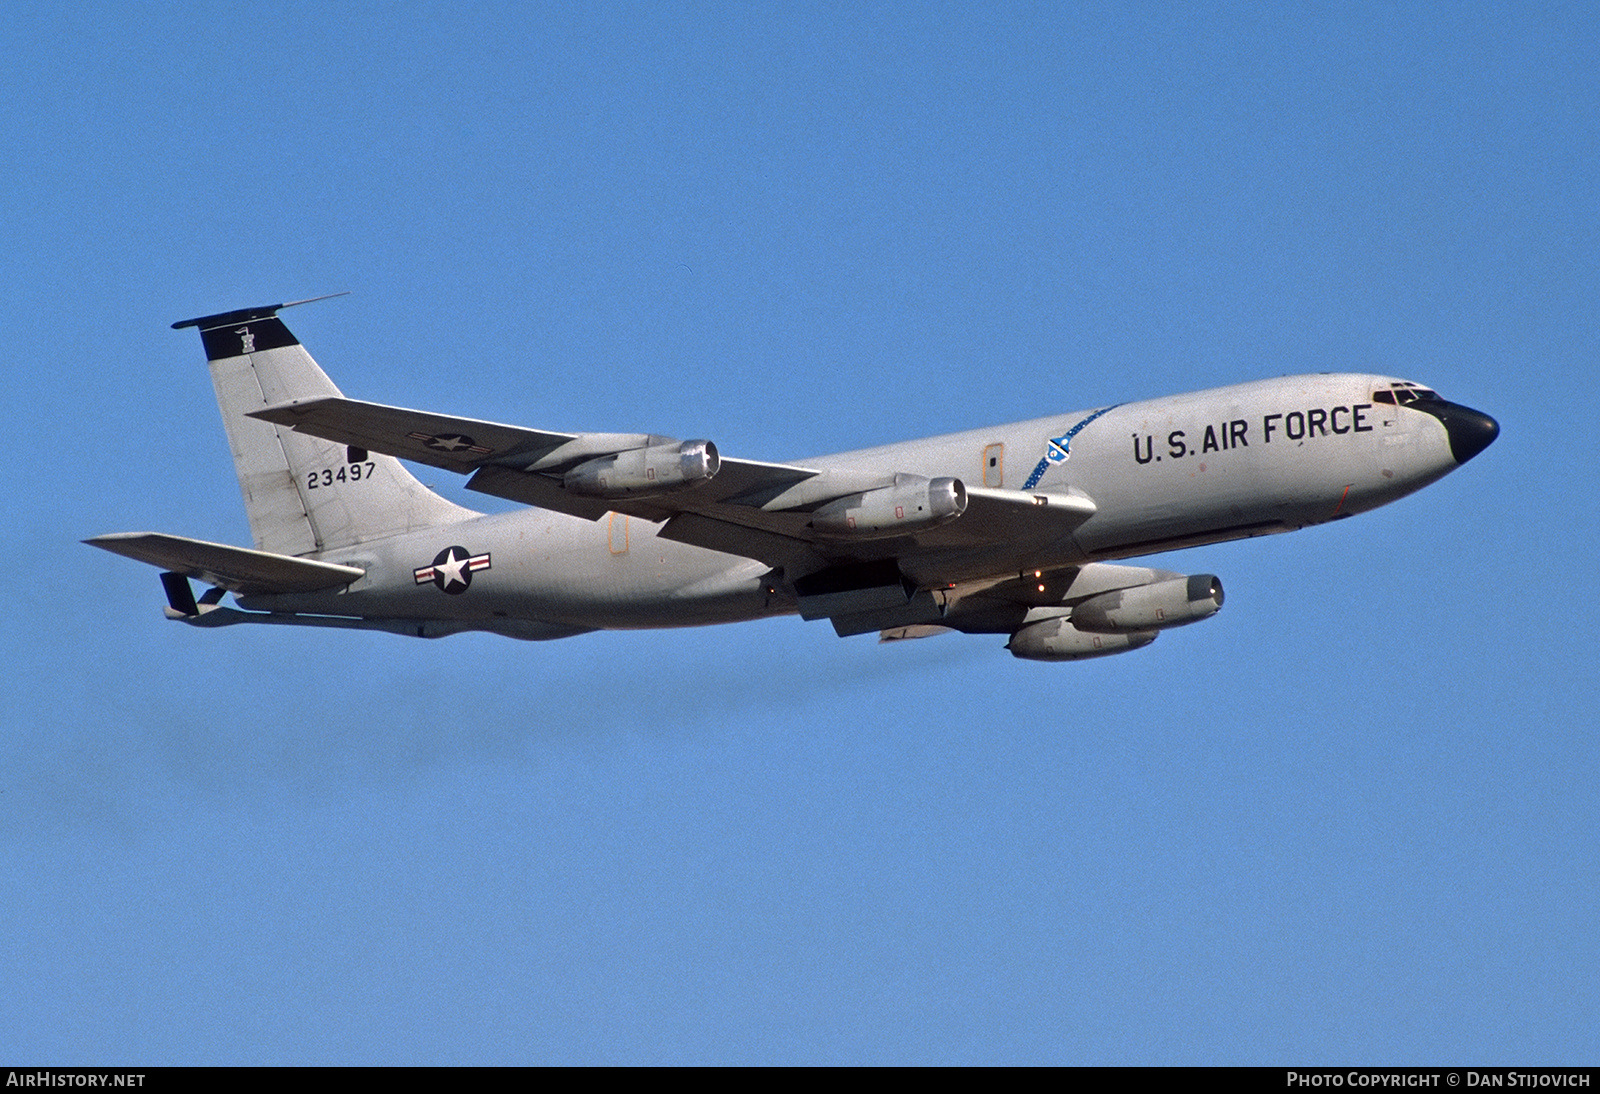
450	442
452	569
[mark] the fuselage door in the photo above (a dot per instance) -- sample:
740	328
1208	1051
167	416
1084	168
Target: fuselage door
994	466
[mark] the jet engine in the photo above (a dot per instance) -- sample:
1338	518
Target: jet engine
1156	606
1056	639
642	472
912	504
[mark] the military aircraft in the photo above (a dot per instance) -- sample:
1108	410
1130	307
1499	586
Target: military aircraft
1005	531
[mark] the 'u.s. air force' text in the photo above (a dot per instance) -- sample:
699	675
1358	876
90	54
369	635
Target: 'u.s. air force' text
1293	425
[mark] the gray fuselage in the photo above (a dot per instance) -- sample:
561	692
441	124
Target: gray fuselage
1227	463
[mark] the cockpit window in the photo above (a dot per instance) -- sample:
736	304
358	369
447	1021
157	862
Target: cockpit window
1403	392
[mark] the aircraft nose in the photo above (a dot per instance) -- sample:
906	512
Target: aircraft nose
1470	431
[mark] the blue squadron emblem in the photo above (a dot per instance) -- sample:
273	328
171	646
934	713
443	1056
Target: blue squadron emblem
1059	450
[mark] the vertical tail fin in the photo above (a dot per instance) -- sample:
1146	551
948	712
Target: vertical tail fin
303	495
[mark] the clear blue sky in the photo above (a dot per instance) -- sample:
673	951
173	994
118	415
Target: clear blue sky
1350	819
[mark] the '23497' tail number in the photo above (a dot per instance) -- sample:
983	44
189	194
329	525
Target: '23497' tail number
353	472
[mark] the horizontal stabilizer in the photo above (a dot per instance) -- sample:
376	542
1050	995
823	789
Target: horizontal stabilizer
237	569
247	315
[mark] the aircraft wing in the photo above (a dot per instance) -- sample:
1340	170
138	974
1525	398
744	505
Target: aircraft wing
522	465
237	569
757	510
455	444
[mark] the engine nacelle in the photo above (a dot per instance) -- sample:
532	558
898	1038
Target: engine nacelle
1058	640
912	504
641	472
1162	604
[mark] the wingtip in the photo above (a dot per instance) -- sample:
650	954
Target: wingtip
113	537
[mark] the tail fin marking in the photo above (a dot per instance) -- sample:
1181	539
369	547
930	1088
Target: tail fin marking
303	495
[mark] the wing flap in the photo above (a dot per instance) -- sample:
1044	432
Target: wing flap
776	549
1011	515
237	569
